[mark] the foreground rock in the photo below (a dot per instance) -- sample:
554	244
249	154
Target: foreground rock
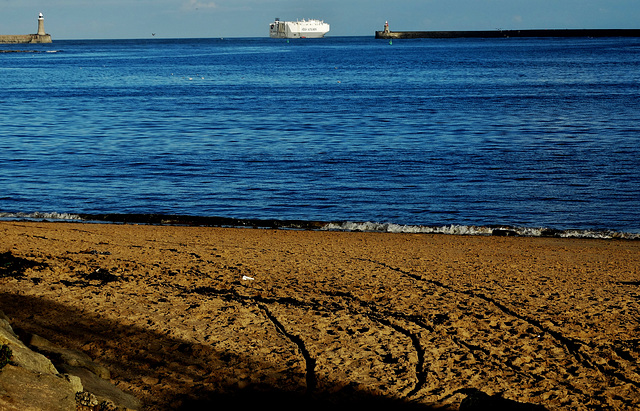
31	381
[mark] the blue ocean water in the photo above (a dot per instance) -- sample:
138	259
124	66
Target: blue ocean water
526	133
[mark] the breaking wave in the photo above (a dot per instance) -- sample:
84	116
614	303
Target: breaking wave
184	220
480	230
38	216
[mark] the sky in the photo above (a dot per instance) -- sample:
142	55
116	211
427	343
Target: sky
121	19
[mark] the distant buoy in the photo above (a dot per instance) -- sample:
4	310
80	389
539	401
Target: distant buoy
390	42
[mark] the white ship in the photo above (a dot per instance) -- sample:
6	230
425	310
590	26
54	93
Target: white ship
298	29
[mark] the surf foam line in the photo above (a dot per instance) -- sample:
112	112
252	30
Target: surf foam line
186	220
40	216
493	230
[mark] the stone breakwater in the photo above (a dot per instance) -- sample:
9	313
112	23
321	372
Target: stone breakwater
386	34
25	38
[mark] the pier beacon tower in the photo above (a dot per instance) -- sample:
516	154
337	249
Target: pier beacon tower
41	31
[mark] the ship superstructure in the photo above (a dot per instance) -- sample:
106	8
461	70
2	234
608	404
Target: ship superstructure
298	29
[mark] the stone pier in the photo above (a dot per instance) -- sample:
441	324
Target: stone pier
40	37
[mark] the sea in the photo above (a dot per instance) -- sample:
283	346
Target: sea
514	136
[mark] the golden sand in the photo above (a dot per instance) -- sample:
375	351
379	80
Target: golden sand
197	315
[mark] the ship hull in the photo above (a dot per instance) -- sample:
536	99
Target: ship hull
311	29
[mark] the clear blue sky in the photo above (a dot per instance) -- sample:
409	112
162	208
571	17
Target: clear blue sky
113	19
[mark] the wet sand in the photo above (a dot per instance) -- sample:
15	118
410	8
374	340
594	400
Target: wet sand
195	316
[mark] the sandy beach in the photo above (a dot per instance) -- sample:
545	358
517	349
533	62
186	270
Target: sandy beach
189	317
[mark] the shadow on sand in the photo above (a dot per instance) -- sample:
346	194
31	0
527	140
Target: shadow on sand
186	380
167	373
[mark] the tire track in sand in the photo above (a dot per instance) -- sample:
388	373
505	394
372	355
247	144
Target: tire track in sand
572	345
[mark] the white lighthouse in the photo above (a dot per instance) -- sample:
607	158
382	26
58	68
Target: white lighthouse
41	25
